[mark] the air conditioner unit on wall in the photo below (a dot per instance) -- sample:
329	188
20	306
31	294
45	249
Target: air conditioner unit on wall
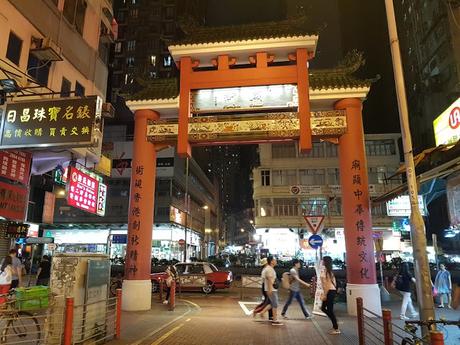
47	50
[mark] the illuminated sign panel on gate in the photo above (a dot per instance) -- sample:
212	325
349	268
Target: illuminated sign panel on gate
244	98
52	122
447	125
400	206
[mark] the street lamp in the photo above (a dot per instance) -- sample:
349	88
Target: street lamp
242	230
205	207
418	237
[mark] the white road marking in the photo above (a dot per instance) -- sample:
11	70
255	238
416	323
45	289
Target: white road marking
245	309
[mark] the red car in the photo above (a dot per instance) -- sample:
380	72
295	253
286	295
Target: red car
215	279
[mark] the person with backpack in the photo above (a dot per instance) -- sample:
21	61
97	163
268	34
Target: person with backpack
403	285
294	290
329	284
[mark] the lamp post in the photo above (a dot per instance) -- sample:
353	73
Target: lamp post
422	267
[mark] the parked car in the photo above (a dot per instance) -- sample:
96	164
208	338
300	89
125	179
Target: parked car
215	279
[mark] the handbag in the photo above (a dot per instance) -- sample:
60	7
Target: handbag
323	295
435	291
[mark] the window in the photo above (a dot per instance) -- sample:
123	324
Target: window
38	69
380	147
79	90
265	177
74	11
118	47
317	151
285	150
169	12
131	45
130	61
314	206
133	13
331	150
285	207
153	60
377	175
13	52
167	61
333	176
284	177
66	87
311	177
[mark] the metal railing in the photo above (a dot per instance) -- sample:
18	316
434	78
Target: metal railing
252	282
31	321
374	329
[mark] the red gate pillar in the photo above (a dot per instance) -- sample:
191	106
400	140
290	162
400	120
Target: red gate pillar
360	260
137	287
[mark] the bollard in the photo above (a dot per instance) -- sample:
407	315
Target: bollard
387	327
172	296
360	315
437	338
68	325
160	292
118	320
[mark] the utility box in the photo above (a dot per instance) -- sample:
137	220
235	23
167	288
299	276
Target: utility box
86	278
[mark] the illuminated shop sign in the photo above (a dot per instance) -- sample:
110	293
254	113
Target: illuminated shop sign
52	122
86	191
400	206
244	98
447	125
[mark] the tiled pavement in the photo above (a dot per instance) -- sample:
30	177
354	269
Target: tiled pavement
219	319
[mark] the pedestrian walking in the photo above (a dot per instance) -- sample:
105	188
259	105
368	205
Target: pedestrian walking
329	284
6	277
44	271
271	288
171	276
16	269
264	305
443	284
403	285
294	290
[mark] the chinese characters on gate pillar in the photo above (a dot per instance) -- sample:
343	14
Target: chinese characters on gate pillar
135	219
360	207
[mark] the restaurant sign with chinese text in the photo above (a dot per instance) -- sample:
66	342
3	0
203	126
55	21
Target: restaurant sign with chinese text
15	165
86	191
68	122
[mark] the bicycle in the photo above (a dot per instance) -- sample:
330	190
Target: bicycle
411	327
17	326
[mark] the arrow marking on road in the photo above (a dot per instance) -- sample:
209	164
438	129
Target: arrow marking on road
245	309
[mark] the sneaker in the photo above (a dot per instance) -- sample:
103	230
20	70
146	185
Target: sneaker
309	317
440	306
284	316
403	317
277	323
165	302
334	331
414	316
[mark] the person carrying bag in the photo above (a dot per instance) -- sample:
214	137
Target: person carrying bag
329	285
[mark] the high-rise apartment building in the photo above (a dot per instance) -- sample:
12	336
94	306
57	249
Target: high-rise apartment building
429	32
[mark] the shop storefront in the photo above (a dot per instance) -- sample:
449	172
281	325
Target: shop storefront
165	242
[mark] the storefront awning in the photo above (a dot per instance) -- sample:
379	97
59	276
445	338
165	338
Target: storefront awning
434	163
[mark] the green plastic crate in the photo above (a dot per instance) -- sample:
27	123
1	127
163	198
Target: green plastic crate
36	297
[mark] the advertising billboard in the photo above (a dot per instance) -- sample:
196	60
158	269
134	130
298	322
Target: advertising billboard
59	122
400	206
447	125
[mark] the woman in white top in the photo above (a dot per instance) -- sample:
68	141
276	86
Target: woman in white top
329	285
6	276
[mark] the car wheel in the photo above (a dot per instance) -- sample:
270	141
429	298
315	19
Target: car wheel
208	288
155	287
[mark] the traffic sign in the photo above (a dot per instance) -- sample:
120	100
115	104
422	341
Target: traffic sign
52	246
315	223
315	241
181	242
120	239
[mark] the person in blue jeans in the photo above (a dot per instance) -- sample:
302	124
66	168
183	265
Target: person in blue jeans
294	290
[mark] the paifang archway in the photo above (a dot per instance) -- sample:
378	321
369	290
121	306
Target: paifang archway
323	104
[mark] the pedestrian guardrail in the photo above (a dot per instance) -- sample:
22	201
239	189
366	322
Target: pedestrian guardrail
250	282
374	329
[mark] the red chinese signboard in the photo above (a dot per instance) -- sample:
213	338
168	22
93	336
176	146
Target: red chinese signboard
86	191
13	201
82	190
15	165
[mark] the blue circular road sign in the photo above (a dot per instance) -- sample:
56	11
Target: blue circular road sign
315	241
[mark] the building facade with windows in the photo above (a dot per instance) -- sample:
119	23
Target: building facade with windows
289	185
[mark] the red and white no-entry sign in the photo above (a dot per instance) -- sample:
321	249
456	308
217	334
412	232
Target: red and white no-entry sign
315	223
181	242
